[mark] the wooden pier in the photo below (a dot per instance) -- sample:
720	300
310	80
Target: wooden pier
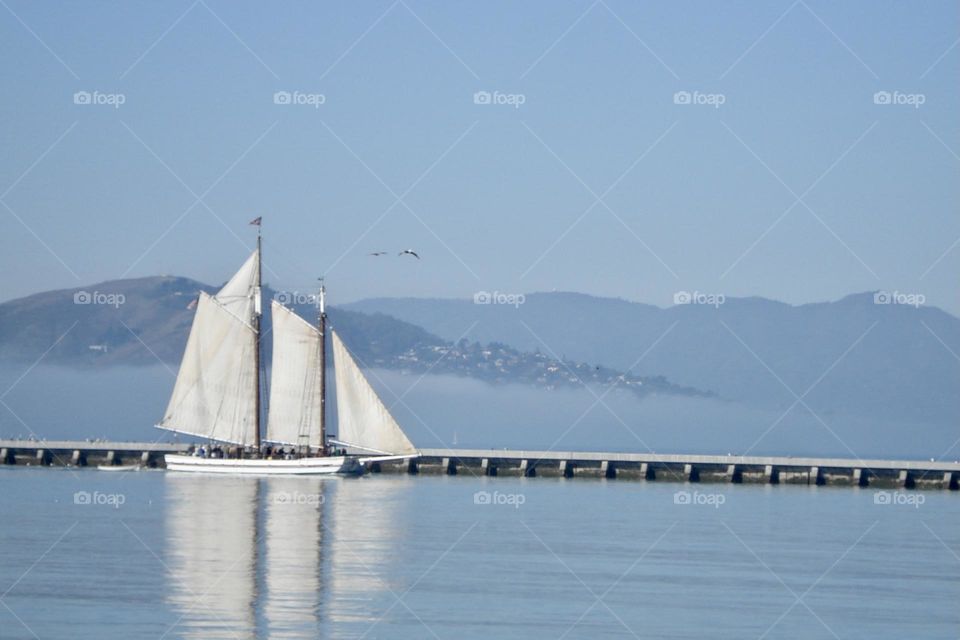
907	474
685	468
83	453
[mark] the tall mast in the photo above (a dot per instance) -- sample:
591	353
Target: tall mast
323	370
256	348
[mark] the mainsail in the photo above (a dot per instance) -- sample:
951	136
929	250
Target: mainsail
363	421
295	396
215	395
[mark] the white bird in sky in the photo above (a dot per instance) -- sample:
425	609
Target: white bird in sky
409	252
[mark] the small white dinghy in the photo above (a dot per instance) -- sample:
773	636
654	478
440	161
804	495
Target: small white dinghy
118	467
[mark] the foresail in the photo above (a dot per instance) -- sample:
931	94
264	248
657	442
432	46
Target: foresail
295	409
215	392
362	419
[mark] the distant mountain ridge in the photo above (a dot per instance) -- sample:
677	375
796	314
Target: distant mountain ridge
146	321
860	355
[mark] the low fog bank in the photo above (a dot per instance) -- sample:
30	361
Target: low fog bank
440	408
444	411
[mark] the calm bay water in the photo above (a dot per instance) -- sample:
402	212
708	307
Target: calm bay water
86	554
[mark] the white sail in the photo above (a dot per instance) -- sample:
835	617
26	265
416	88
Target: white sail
216	389
241	294
295	407
362	419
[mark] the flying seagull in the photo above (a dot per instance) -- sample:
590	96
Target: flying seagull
377	253
409	252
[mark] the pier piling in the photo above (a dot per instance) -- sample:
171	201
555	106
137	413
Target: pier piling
949	481
487	468
771	475
859	478
905	480
734	474
815	477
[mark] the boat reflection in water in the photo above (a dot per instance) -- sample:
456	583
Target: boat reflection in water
284	557
211	555
366	568
293	549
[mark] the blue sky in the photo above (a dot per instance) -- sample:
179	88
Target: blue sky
799	186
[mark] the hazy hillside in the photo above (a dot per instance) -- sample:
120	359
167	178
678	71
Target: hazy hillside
146	321
893	392
899	368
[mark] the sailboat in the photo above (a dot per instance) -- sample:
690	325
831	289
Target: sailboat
217	394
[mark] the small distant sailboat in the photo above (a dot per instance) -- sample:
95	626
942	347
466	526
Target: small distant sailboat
218	389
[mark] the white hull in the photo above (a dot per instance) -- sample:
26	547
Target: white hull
349	465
